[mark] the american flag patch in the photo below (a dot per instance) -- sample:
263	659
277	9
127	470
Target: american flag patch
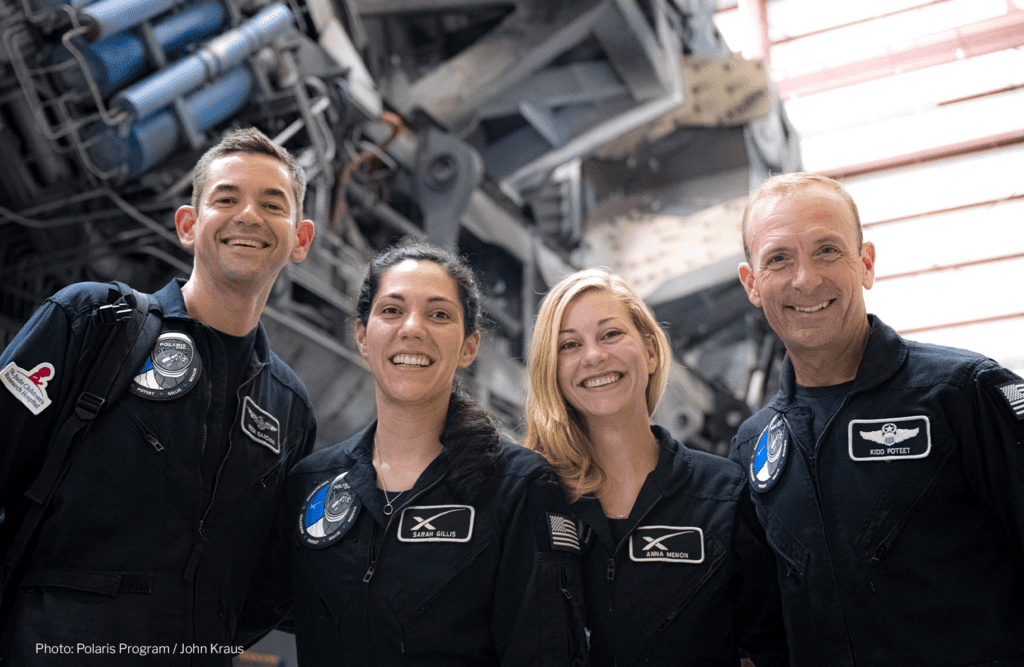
563	533
1013	392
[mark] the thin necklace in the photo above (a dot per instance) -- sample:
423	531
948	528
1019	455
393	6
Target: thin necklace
388	508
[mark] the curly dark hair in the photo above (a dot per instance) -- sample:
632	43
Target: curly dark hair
472	445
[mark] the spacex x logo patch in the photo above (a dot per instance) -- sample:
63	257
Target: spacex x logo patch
436	523
890	439
667	544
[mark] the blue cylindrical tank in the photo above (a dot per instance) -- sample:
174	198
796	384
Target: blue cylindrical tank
108	17
120	58
220	54
151	141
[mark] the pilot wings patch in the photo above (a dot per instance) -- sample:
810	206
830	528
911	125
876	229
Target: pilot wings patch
889	439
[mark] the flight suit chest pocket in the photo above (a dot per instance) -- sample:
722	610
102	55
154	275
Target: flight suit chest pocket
898	488
440	548
679	566
786	546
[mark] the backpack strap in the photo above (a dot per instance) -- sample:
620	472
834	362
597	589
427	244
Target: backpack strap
127	330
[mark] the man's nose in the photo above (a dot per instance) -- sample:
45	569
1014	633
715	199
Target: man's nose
249	213
807	275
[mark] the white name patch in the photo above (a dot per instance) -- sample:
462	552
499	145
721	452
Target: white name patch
261	426
436	523
890	439
29	387
667	544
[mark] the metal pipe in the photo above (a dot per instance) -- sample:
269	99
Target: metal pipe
117	59
108	17
219	55
152	140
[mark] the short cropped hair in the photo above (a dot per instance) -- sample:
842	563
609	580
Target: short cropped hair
249	140
786	184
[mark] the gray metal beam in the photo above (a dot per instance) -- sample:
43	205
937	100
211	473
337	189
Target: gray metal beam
382	7
528	40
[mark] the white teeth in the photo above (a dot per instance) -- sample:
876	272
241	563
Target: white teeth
812	309
603	380
246	242
410	360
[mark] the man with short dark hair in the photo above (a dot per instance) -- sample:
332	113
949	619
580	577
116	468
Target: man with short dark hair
888	474
149	542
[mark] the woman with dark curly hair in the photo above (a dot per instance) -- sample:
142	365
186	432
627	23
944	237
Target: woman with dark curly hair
426	539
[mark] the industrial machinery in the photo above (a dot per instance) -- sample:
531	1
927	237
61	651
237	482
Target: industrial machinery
512	130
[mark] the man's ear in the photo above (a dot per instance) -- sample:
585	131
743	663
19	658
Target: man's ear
747	278
185	223
304	233
867	255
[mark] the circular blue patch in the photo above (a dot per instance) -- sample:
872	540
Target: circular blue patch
769	457
328	513
171	370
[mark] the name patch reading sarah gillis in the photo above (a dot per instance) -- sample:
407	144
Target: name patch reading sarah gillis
436	523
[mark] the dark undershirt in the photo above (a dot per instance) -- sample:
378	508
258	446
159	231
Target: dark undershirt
237	350
619	528
823	402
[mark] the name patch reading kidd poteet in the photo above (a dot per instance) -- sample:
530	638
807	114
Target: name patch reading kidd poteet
890	439
436	523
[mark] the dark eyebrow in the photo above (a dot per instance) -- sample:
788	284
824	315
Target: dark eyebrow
224	188
234	189
398	297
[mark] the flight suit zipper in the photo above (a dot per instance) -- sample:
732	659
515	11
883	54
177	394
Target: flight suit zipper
817	495
375	555
611	573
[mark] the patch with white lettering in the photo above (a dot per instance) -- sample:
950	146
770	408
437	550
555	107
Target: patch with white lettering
171	370
29	387
436	523
769	457
564	536
260	425
328	513
1013	392
667	544
890	439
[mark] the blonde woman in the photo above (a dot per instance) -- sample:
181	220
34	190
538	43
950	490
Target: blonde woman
675	568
